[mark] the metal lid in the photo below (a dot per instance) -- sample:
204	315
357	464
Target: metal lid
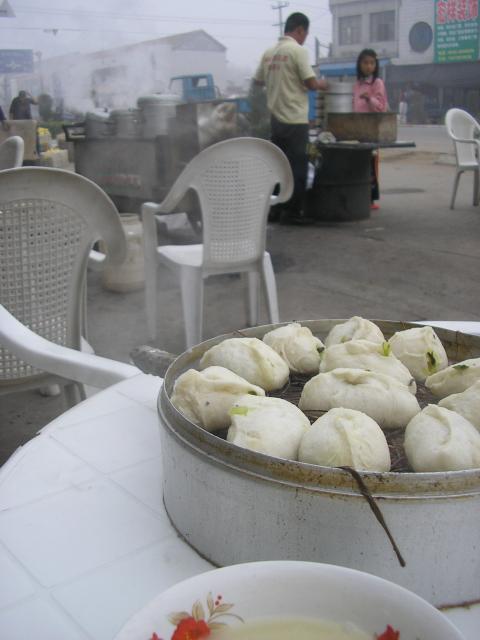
339	87
123	112
158	98
97	117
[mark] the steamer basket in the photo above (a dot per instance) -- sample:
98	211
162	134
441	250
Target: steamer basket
234	505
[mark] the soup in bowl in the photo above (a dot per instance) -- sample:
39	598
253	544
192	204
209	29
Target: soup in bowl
294	600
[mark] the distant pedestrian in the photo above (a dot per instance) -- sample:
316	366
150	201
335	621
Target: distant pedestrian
21	107
286	72
370	96
403	108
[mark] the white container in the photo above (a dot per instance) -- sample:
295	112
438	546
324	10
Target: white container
130	275
339	97
292	590
156	110
125	122
234	505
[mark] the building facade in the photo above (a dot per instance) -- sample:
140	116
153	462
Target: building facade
429	50
364	23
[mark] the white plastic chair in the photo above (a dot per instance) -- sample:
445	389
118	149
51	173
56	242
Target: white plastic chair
83	368
461	127
49	220
234	181
11	153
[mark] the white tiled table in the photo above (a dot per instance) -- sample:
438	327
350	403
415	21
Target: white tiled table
84	539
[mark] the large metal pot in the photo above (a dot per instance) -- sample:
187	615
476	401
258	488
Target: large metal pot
233	505
156	110
97	125
338	97
125	122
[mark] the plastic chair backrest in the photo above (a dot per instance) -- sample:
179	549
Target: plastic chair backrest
49	220
11	153
461	124
234	180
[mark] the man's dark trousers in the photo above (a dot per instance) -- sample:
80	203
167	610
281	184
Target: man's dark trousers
292	140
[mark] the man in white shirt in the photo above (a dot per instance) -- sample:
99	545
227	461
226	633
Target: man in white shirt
286	73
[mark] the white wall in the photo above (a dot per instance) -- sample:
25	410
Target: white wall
411	12
341	8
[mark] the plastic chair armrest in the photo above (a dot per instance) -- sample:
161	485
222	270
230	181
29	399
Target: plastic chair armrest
152	208
167	205
178	190
150	238
465	140
85	368
96	260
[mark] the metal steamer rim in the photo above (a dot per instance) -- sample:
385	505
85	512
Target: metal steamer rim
398	483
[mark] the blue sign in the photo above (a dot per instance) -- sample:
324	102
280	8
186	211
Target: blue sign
16	61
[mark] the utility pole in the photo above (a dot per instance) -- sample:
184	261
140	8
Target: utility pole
38	55
278	7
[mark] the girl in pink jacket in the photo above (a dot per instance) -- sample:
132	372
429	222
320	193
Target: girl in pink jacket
369	96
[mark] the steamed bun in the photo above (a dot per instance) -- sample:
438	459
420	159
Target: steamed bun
385	399
372	356
297	346
420	350
354	329
251	359
454	379
441	440
467	404
267	425
346	438
205	397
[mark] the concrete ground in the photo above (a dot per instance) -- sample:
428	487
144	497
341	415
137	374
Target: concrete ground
415	259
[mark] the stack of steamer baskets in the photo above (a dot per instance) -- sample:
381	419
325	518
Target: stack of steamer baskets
234	505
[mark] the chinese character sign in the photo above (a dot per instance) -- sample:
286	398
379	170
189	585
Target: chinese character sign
456	30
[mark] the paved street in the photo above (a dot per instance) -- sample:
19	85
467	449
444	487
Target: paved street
412	260
430	138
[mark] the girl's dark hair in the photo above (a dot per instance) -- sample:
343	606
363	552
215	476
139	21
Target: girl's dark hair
367	53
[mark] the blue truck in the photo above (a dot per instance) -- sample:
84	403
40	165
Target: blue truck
201	88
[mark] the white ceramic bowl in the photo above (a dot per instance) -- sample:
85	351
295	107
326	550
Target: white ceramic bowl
293	590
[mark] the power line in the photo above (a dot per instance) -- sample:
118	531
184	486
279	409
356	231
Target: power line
59	30
153	17
131	16
113	14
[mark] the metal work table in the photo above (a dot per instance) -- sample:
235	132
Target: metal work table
371	146
341	189
130	170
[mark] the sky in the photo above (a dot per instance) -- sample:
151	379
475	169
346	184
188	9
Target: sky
245	27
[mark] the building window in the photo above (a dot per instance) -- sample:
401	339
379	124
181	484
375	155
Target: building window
382	26
420	37
350	30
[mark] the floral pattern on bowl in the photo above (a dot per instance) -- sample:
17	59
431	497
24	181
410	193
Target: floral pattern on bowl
197	625
301	590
